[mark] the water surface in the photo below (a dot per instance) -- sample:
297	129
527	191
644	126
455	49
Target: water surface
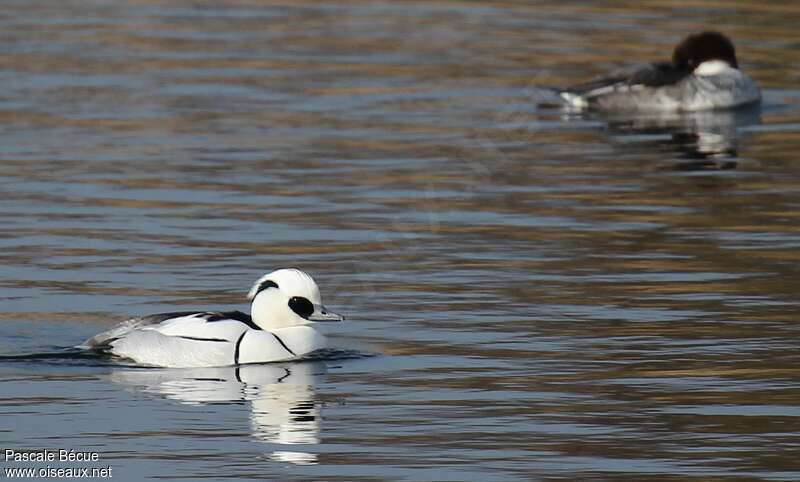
550	296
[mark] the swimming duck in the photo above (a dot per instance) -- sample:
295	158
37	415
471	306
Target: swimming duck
285	306
703	75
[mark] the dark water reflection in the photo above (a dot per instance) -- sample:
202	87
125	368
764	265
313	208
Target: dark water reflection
554	297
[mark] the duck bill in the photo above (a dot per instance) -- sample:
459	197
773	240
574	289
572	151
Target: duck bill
321	314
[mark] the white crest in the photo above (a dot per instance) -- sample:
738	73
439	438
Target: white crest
291	281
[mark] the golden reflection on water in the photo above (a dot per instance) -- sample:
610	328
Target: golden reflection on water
566	303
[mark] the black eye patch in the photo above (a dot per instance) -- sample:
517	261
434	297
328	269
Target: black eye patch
265	285
301	306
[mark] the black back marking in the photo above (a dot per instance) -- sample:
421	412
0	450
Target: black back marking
210	316
231	315
654	75
159	317
659	74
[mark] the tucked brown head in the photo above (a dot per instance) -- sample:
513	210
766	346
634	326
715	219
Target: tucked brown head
700	47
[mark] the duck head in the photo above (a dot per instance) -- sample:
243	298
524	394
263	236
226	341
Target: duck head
704	47
287	297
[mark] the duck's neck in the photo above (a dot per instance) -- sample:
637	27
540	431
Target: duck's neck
257	346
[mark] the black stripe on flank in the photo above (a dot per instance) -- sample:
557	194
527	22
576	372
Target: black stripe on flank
283	344
202	339
159	317
236	350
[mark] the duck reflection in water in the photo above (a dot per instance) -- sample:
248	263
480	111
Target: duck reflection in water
706	140
282	399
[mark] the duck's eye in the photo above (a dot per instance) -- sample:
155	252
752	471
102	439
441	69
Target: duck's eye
301	306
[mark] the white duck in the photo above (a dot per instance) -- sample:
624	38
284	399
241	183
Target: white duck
285	306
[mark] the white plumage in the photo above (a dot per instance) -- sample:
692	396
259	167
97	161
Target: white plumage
285	306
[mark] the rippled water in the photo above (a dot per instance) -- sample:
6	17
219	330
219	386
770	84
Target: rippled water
546	296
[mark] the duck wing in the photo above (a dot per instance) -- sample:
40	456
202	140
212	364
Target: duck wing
209	325
658	74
